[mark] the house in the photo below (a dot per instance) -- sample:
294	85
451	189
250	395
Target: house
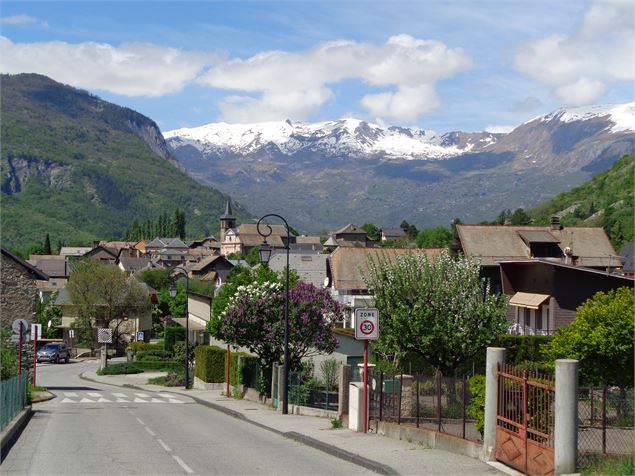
74	251
199	309
310	266
544	294
132	265
210	242
305	243
57	267
588	247
349	235
393	234
166	246
211	268
103	254
346	268
18	289
243	239
128	328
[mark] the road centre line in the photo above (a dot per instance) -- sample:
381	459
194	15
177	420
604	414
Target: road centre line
182	464
152	433
165	447
139	420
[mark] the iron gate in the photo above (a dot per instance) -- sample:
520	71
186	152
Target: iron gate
525	421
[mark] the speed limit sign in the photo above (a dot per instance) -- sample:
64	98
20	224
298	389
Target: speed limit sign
366	324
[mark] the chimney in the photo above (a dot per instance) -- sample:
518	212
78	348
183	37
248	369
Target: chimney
555	223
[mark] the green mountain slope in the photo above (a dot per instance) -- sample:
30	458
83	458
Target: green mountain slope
606	200
80	168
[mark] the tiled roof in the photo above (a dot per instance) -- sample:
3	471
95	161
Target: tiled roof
33	270
311	267
493	243
349	265
349	229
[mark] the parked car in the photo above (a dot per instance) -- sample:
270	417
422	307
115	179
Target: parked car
57	352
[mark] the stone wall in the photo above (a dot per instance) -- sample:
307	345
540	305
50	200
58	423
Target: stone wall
18	293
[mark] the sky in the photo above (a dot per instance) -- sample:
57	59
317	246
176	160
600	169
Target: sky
439	65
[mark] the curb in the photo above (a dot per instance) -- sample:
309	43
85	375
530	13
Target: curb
369	464
11	433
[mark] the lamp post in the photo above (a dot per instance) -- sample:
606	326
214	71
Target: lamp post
183	271
265	255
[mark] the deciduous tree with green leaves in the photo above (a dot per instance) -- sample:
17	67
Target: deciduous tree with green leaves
439	308
601	338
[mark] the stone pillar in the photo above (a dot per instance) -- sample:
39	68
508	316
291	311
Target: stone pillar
495	355
566	416
274	382
344	379
407	397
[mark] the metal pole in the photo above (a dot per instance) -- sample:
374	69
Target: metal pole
285	383
400	390
417	380
365	386
34	353
20	350
464	402
604	420
227	366
381	396
187	330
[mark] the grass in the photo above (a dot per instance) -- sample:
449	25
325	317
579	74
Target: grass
610	466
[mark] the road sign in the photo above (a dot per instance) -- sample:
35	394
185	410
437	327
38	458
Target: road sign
366	324
16	326
140	335
104	335
71	333
36	331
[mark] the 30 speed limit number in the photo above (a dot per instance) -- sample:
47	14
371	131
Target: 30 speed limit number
366	324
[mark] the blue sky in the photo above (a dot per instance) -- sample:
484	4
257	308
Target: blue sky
441	65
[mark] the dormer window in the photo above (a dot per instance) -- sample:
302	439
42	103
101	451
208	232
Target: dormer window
542	244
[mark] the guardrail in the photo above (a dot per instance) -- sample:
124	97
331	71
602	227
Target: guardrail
14	398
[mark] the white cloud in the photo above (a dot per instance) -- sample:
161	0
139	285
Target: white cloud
19	20
577	67
296	85
496	129
131	69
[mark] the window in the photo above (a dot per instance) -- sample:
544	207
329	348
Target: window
538	319
527	317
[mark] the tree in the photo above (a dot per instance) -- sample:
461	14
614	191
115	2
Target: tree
373	231
440	309
179	223
47	245
49	313
8	356
409	229
520	217
601	338
156	278
254	319
104	294
439	237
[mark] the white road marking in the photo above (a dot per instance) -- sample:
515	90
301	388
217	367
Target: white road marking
119	395
70	394
138	400
165	447
165	395
94	394
139	420
152	433
86	400
142	395
122	400
156	400
104	400
67	400
173	400
182	464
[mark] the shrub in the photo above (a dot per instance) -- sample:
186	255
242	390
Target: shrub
179	352
250	371
143	346
523	348
210	363
477	406
172	335
120	369
154	355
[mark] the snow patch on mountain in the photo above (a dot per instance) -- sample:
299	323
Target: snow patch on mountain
622	116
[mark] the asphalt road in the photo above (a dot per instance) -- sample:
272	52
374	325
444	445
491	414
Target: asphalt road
93	428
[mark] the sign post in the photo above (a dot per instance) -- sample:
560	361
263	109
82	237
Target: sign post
366	328
35	330
104	336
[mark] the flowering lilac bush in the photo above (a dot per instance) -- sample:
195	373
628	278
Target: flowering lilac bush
254	319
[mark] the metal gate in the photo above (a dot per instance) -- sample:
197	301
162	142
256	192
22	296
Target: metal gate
525	421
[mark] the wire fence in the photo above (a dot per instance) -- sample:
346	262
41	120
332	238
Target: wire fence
307	391
435	402
14	397
606	423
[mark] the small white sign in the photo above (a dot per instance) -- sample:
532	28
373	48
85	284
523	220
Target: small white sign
366	323
71	333
36	331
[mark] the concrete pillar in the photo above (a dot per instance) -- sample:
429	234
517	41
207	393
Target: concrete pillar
495	355
407	397
566	416
274	381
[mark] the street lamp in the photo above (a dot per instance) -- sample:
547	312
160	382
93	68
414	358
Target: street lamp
265	255
183	271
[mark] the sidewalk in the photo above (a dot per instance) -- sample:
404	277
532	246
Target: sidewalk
376	453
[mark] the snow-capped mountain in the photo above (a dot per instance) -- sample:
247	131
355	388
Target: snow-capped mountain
336	138
329	173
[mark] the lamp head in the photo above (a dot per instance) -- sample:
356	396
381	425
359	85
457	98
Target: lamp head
265	252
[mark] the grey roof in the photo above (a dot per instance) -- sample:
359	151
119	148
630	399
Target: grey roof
166	243
199	266
239	262
74	250
53	266
628	256
350	229
537	236
228	210
311	267
393	232
134	265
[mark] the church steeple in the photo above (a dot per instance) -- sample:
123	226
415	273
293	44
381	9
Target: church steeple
227	220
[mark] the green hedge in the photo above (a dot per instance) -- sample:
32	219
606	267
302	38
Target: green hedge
158	354
119	369
157	365
172	335
210	363
140	345
249	370
522	349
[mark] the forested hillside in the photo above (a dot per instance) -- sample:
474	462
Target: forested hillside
606	200
80	168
